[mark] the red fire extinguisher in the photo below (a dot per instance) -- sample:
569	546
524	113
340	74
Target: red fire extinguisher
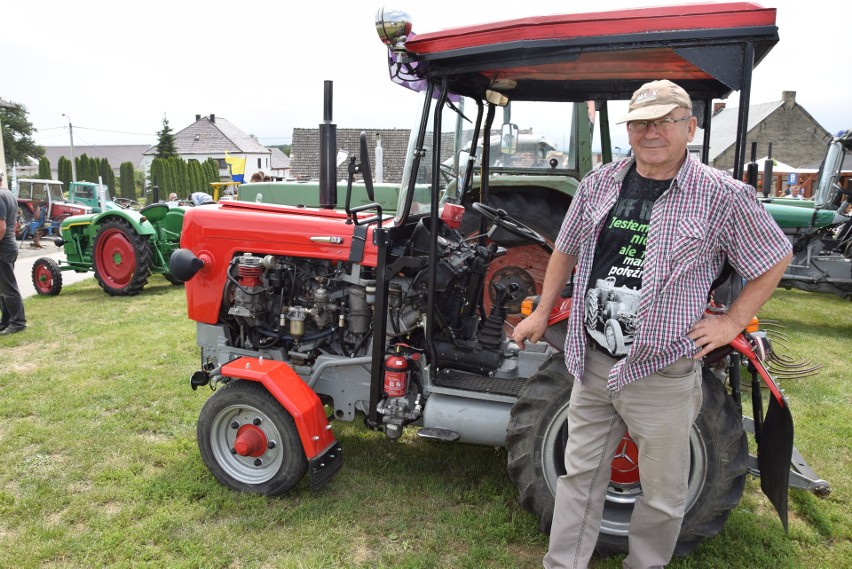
396	375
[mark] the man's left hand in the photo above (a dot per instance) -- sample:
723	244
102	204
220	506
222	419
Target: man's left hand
711	332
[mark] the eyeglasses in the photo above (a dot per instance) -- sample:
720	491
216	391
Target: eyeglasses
659	124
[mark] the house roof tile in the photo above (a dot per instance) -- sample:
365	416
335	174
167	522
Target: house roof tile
213	135
304	156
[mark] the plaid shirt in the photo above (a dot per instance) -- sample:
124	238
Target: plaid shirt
702	217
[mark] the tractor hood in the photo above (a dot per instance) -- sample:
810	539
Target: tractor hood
216	233
795	216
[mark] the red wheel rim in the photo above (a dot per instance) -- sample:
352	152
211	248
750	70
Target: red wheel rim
116	257
625	465
250	441
44	279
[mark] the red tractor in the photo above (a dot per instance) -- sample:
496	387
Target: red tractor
42	203
307	315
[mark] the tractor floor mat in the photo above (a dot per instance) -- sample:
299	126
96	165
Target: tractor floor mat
454	379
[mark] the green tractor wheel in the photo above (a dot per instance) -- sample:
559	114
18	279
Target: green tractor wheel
122	258
47	277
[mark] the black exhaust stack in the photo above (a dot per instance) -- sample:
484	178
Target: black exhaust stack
328	154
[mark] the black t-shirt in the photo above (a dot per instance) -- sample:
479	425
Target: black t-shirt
9	213
612	295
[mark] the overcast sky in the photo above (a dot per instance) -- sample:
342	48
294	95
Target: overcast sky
116	68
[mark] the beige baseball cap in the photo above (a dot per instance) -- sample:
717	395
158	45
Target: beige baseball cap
654	100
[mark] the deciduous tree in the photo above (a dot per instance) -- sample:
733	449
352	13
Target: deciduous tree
18	145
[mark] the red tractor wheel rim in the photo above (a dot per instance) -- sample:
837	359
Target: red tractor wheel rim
116	257
44	279
625	465
250	441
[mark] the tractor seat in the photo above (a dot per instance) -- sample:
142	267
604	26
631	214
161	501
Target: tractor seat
155	212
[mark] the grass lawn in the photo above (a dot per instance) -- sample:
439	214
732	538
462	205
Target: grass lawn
99	465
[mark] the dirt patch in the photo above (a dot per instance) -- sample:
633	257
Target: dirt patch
19	360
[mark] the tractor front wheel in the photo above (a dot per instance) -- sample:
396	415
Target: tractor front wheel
47	277
536	440
249	441
122	258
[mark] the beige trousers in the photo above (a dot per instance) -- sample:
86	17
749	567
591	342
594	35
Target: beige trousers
658	411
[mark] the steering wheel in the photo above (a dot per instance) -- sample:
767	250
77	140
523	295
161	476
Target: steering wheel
503	220
127	203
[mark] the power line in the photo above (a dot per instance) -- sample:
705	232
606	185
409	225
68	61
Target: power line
116	131
98	130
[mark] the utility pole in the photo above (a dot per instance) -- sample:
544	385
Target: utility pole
73	159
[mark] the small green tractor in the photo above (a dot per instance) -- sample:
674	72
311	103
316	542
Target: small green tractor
820	229
123	243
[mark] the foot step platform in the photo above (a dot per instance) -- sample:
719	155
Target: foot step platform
456	379
438	434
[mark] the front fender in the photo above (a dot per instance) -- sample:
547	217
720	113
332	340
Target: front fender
773	433
285	385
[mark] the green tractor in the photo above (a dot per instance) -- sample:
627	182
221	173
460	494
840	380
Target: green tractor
96	196
123	243
820	229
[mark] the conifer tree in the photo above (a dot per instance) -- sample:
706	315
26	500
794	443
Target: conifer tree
212	170
63	168
127	183
82	164
44	168
157	174
166	141
107	175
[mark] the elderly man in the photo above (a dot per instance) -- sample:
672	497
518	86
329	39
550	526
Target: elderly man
12	319
661	223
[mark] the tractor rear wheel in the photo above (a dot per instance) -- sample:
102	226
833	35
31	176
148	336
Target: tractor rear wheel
24	218
47	277
536	442
121	258
249	442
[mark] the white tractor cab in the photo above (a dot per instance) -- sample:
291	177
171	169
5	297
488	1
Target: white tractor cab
42	203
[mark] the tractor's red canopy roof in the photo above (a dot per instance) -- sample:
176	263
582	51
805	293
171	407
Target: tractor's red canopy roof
601	55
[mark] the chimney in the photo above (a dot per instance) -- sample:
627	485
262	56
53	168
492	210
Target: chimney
197	118
718	106
213	118
789	99
380	160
